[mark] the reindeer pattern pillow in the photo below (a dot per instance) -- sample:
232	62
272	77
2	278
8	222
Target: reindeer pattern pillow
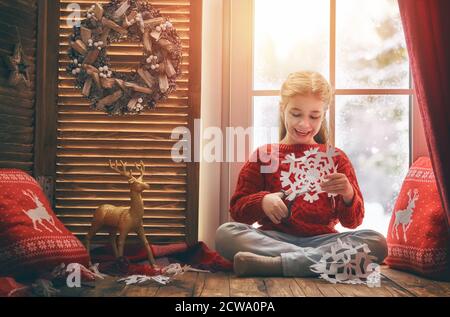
417	236
32	239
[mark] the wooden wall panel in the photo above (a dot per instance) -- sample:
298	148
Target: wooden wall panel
17	104
87	139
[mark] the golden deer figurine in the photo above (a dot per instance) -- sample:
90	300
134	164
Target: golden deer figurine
123	220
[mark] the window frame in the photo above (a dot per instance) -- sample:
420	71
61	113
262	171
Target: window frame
332	79
238	78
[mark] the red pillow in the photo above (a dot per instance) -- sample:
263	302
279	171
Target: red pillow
417	237
32	239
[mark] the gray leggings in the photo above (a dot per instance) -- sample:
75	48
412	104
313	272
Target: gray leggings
296	253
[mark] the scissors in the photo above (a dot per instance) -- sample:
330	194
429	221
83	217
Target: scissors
286	193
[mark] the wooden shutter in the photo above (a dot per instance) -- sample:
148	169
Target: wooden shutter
88	139
17	104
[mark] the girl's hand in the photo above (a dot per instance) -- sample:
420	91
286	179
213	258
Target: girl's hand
274	207
338	183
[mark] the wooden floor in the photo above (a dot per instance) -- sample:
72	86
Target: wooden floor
393	284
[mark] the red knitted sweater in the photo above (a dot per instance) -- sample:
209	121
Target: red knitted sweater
308	218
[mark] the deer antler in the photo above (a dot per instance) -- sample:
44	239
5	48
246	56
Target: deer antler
29	194
141	169
122	172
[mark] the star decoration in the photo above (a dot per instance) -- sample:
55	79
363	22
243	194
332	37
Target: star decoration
19	67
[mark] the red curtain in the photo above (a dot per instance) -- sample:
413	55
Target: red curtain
427	30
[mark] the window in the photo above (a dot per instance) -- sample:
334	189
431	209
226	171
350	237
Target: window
359	46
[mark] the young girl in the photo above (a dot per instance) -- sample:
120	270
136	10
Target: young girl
291	239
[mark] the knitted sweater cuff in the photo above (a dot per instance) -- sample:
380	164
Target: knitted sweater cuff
251	210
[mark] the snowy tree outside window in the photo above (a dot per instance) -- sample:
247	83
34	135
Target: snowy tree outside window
359	46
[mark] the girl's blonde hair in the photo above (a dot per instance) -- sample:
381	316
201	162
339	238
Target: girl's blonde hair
306	83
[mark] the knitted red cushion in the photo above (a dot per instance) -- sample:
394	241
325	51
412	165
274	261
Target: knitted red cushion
32	239
417	237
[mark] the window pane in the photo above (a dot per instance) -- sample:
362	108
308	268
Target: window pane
370	45
374	133
290	35
265	120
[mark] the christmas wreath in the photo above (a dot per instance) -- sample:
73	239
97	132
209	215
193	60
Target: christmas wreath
155	75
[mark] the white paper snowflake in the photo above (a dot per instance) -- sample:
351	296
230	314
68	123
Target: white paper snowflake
141	279
348	264
307	172
170	273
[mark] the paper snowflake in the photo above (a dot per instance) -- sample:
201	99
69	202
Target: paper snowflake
141	279
348	264
170	273
307	172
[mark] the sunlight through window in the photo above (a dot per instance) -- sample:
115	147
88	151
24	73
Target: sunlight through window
359	46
